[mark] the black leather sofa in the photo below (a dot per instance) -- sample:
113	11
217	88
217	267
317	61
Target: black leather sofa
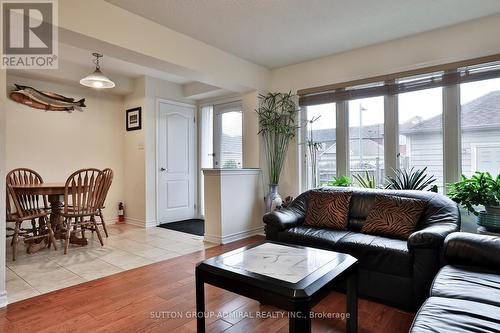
392	271
465	295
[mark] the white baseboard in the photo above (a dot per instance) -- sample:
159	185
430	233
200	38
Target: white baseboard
140	223
233	237
3	299
151	224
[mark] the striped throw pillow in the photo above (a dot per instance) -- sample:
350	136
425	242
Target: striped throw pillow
394	216
328	209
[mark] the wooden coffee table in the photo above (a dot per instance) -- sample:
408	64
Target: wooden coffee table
292	278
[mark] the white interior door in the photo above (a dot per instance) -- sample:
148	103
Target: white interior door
176	162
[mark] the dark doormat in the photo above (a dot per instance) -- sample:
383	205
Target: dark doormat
193	226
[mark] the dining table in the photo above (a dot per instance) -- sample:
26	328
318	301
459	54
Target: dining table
55	197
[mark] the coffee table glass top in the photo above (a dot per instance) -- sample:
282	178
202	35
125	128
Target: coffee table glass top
282	262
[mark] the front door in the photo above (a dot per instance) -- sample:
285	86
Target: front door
176	162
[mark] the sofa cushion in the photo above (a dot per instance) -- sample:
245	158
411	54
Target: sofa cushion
328	209
385	255
463	283
311	236
440	314
377	253
394	216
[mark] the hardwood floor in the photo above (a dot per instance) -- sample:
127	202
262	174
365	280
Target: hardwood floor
143	299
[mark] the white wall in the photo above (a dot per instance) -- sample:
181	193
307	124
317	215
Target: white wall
235	205
55	144
459	42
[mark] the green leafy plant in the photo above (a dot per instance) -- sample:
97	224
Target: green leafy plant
496	187
365	180
413	179
340	181
277	113
480	189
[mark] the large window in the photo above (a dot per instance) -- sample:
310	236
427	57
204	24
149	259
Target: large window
480	124
320	144
366	137
421	133
409	122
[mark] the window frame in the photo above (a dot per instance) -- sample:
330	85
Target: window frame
218	111
451	132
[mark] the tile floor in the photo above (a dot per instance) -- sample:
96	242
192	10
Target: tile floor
127	247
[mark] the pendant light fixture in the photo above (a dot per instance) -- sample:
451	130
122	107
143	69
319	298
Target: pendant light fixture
97	78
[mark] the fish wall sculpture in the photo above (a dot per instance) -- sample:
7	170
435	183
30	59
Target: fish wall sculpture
47	101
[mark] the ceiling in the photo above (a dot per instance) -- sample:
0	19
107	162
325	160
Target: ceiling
113	65
75	63
275	33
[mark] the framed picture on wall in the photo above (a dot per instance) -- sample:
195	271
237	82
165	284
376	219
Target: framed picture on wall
134	119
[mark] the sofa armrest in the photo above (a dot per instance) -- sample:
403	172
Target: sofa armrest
463	248
431	236
283	219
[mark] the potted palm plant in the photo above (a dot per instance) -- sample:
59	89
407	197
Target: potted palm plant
413	179
277	126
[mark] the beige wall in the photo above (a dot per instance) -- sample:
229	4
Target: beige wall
463	41
55	144
251	142
140	149
114	31
3	295
134	183
156	89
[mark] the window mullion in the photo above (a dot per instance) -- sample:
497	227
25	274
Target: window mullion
342	138
452	156
302	149
391	134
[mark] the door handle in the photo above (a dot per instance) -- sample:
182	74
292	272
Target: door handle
163	169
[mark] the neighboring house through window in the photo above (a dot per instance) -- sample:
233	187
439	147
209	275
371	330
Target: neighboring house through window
480	126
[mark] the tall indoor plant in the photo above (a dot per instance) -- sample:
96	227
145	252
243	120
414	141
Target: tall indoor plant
277	126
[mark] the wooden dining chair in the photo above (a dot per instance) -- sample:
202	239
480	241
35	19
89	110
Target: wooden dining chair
22	207
81	202
108	179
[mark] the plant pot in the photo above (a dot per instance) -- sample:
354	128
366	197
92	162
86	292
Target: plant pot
273	199
489	221
493	210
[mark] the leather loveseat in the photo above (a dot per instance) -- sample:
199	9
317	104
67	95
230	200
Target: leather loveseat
465	295
392	271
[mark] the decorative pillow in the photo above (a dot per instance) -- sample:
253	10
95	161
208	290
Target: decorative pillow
328	209
394	216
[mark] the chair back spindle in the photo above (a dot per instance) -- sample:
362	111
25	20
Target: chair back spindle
82	192
107	180
23	202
